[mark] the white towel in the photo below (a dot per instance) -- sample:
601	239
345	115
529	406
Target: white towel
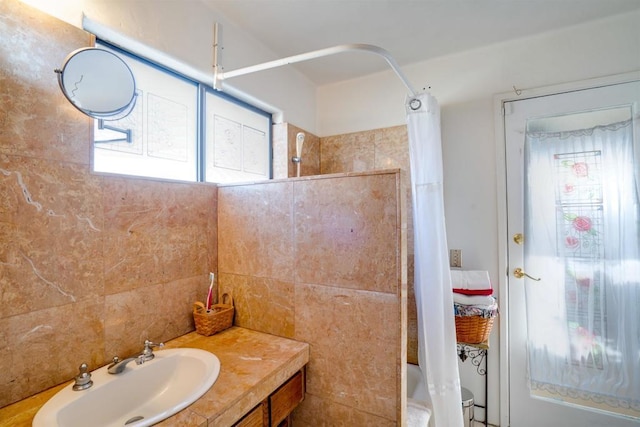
483	300
418	413
473	280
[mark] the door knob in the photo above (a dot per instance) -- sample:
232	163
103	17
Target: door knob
519	274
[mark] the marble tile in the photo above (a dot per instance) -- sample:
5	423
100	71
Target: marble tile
184	419
211	232
156	232
70	237
51	228
339	333
253	365
354	152
354	348
412	316
412	327
21	413
261	303
316	411
158	313
345	229
35	117
338	336
175	313
391	148
255	230
43	348
377	149
138	253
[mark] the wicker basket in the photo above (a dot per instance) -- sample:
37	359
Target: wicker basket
473	329
218	318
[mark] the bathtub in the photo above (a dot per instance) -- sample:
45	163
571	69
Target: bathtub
418	411
415	385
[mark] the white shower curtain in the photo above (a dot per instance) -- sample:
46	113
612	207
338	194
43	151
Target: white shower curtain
437	354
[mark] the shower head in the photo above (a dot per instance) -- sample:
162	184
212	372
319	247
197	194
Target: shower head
299	142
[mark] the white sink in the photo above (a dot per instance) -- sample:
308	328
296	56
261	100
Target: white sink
141	395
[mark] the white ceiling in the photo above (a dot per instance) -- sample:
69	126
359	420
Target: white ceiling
411	30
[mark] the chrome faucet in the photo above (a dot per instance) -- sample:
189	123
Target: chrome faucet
117	365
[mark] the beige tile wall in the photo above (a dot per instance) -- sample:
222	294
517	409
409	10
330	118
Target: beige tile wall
321	260
90	265
284	148
374	150
371	150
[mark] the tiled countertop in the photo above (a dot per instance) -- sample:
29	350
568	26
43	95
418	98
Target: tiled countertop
252	365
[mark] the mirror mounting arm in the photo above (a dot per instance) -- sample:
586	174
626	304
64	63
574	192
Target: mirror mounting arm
127	133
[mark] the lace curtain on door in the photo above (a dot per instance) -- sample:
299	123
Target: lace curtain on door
582	239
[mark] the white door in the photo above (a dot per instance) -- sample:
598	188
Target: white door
574	305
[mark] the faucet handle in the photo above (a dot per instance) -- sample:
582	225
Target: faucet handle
114	361
147	353
148	345
83	379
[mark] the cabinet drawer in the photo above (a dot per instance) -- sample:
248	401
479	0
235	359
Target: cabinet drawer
286	398
258	417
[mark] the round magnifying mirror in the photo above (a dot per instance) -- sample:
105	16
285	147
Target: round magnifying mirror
98	83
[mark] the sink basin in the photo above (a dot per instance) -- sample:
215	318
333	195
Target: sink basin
141	395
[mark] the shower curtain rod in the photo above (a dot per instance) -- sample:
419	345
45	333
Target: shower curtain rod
220	76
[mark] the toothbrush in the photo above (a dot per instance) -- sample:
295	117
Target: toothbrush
210	293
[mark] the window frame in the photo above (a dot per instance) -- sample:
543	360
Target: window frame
202	90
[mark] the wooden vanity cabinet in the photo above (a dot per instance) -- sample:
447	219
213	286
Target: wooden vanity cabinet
258	417
284	400
275	410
